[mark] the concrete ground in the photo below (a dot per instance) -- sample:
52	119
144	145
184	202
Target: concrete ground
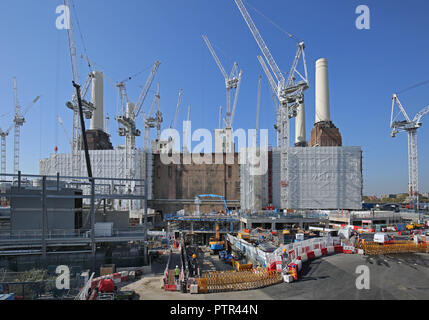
398	276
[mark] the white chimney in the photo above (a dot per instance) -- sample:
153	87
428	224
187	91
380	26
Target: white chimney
322	91
300	137
97	98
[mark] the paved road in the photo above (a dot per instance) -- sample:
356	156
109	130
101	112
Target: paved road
399	276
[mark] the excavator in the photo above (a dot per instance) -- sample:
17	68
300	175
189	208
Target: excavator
215	243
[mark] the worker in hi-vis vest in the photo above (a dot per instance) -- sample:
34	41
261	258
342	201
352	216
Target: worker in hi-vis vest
176	276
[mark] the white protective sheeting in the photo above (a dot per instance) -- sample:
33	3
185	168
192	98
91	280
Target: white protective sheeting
104	163
253	180
321	178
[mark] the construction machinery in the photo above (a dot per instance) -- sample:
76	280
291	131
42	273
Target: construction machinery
289	92
216	244
151	121
198	202
179	100
87	107
232	81
411	127
244	234
127	121
171	142
18	122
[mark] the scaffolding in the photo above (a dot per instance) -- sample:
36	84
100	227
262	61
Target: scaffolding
92	192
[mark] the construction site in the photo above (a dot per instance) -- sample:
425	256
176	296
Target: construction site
268	221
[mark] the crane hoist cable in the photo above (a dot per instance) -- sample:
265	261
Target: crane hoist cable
290	35
81	35
414	86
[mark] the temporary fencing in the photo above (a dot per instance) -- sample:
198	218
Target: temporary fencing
117	277
221	281
307	249
292	250
374	248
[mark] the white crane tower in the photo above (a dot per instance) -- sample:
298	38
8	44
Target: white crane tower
179	100
18	122
127	121
289	92
258	107
411	127
152	121
232	81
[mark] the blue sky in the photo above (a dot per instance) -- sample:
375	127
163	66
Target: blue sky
125	37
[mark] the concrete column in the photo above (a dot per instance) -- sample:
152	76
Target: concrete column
273	226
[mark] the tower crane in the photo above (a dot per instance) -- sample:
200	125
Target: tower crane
186	147
289	92
179	100
232	81
18	121
273	90
149	120
411	127
127	121
87	107
174	121
158	120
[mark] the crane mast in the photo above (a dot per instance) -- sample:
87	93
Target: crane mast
258	107
409	126
75	74
273	89
150	121
186	147
290	94
146	88
232	81
179	99
127	123
18	121
87	107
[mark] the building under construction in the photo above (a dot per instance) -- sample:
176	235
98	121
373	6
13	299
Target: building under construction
324	175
